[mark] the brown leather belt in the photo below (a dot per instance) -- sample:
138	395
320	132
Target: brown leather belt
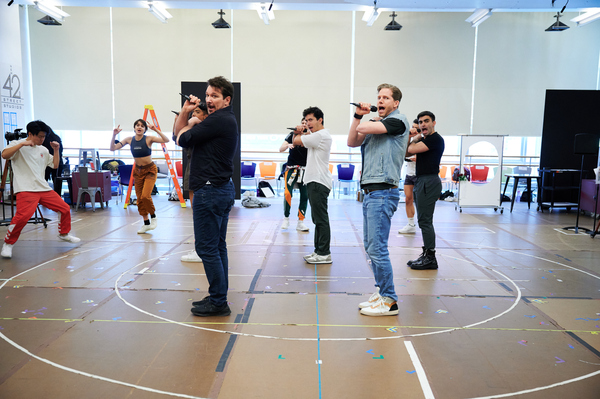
367	191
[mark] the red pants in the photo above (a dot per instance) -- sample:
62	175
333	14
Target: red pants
145	179
27	202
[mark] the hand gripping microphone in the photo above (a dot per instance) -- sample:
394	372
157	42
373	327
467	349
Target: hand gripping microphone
373	108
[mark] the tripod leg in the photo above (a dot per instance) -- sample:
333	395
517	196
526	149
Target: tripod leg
42	216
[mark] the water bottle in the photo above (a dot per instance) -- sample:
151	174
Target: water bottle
66	167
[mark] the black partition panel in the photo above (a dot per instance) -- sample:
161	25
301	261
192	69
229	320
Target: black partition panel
568	113
198	89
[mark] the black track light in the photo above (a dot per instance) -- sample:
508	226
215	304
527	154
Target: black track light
221	23
393	25
48	20
557	26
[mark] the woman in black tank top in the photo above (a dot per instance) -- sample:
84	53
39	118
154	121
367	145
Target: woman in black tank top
145	170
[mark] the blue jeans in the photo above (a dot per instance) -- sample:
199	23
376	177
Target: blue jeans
378	208
211	214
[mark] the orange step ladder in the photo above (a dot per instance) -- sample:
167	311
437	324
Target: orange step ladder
167	158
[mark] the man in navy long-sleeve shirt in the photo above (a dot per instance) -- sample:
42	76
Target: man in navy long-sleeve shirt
213	143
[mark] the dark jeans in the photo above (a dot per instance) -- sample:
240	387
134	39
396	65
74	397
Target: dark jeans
427	192
211	214
317	196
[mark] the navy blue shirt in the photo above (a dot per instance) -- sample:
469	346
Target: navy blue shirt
214	143
139	148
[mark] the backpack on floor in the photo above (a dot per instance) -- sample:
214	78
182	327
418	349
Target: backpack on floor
467	173
173	195
264	185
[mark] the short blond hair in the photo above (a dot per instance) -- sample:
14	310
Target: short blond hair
396	93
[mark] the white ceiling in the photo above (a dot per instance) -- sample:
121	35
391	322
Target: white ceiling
347	5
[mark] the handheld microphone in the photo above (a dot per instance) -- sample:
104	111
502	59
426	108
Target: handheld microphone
293	128
175	112
185	96
373	108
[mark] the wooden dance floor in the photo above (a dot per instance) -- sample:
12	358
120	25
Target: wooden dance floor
513	310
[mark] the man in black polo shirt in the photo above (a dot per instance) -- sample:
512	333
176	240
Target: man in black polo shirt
430	147
213	143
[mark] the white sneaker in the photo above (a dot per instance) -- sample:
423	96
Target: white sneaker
301	226
372	300
383	307
192	256
69	238
153	223
319	259
285	224
309	255
145	228
7	250
408	229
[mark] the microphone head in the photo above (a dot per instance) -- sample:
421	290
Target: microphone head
373	108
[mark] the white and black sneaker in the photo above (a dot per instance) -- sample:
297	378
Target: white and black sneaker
383	307
372	300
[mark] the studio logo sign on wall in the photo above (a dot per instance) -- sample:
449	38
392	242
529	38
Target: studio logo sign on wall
12	97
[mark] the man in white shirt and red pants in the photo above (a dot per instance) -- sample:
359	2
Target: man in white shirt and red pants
29	160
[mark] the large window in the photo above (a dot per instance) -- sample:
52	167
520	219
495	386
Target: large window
517	150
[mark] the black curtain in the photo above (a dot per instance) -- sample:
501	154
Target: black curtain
566	114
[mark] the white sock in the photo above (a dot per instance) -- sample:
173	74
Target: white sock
411	221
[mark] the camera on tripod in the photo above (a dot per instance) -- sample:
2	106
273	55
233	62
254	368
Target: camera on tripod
17	134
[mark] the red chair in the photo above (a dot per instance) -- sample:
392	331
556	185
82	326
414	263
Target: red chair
479	173
179	169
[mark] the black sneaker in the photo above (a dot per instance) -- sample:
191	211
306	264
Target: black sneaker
428	262
200	302
207	309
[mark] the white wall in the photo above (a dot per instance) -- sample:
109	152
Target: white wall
517	61
304	58
71	70
12	91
